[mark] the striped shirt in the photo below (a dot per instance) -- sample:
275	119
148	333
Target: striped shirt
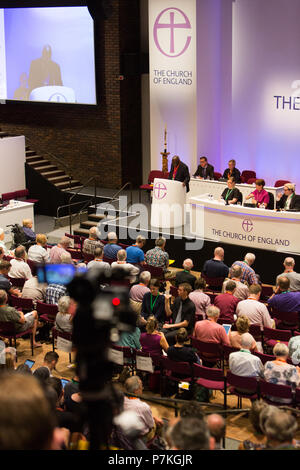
248	274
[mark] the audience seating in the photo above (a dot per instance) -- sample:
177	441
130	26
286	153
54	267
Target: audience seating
173	291
210	353
256	332
77	240
17	281
272	336
75	254
156	364
46	312
213	283
151	177
239	386
155	271
227	350
251	180
128	356
217	175
268	389
26	305
266	292
62	334
8	330
286	320
175	372
264	357
20	194
210	378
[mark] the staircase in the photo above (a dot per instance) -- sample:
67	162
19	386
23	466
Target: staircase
51	172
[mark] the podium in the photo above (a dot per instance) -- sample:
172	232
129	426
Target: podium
58	94
168	204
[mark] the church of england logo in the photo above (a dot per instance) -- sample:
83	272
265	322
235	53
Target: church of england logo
172	19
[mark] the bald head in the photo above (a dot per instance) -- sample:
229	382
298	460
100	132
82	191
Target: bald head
217	426
175	160
219	253
246	341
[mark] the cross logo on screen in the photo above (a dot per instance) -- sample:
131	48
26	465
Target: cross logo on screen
160	190
58	98
176	44
247	225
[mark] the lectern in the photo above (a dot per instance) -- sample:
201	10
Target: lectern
168	204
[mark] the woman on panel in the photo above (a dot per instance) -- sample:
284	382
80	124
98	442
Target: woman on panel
231	194
260	196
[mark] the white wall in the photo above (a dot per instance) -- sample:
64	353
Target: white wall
12	164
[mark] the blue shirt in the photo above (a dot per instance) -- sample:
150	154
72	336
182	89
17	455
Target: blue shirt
286	302
110	250
134	254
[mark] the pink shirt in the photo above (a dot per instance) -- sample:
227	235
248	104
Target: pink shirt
256	311
210	332
143	412
55	254
201	301
262	197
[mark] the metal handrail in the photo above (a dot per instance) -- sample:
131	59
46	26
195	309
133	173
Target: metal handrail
119	191
73	204
75	194
66	167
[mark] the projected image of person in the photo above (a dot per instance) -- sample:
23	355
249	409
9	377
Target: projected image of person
22	92
44	71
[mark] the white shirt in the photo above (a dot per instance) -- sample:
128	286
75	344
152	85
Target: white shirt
132	270
256	311
19	269
38	254
245	364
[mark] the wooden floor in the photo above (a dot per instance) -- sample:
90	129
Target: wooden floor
238	426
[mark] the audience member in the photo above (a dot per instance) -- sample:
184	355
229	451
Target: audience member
135	253
235	337
209	330
66	258
216	267
258	441
294	349
19	267
1	253
34	290
27	229
63	319
294	278
185	275
50	361
26	422
182	312
99	263
153	303
38	252
153	341
256	311
242	362
134	385
283	300
2	244
217	428
199	298
191	409
5	284
111	248
8	359
280	372
130	339
158	257
54	292
279	428
137	291
248	274
180	352
241	291
227	303
91	243
21	322
121	263
57	250
190	434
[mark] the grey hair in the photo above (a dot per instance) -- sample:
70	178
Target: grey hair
145	276
64	304
112	236
250	257
280	350
188	264
246	340
212	311
278	425
132	384
160	241
121	255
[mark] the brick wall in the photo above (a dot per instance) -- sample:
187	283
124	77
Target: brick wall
102	141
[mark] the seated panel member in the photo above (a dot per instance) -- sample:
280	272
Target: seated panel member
232	172
204	170
231	194
260	196
179	172
289	200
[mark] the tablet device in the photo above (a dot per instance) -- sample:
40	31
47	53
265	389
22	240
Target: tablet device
29	363
64	382
227	328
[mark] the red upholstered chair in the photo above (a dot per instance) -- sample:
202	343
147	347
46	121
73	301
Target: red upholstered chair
273	336
17	281
286	320
46	312
8	196
152	175
209	352
213	283
279	183
173	291
210	378
175	372
217	175
268	389
155	271
246	174
26	305
23	195
62	334
77	240
236	384
264	357
251	180
8	330
256	332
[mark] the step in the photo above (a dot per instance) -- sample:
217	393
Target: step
40	162
47	167
88	224
60	178
33	158
30	153
67	184
96	217
47	174
74	188
4	134
81	231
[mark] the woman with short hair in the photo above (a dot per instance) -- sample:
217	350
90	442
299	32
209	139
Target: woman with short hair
260	197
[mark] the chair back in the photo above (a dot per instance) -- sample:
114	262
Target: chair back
62	334
77	240
22	193
75	254
228	350
286	320
155	174
217	175
207	351
266	292
108	260
256	331
155	271
251	180
245	383
277	335
264	357
268	389
213	282
246	174
7	328
271	204
19	302
279	183
46	309
180	368
8	196
208	373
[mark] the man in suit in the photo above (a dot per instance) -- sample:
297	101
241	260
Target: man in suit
289	200
204	170
179	172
